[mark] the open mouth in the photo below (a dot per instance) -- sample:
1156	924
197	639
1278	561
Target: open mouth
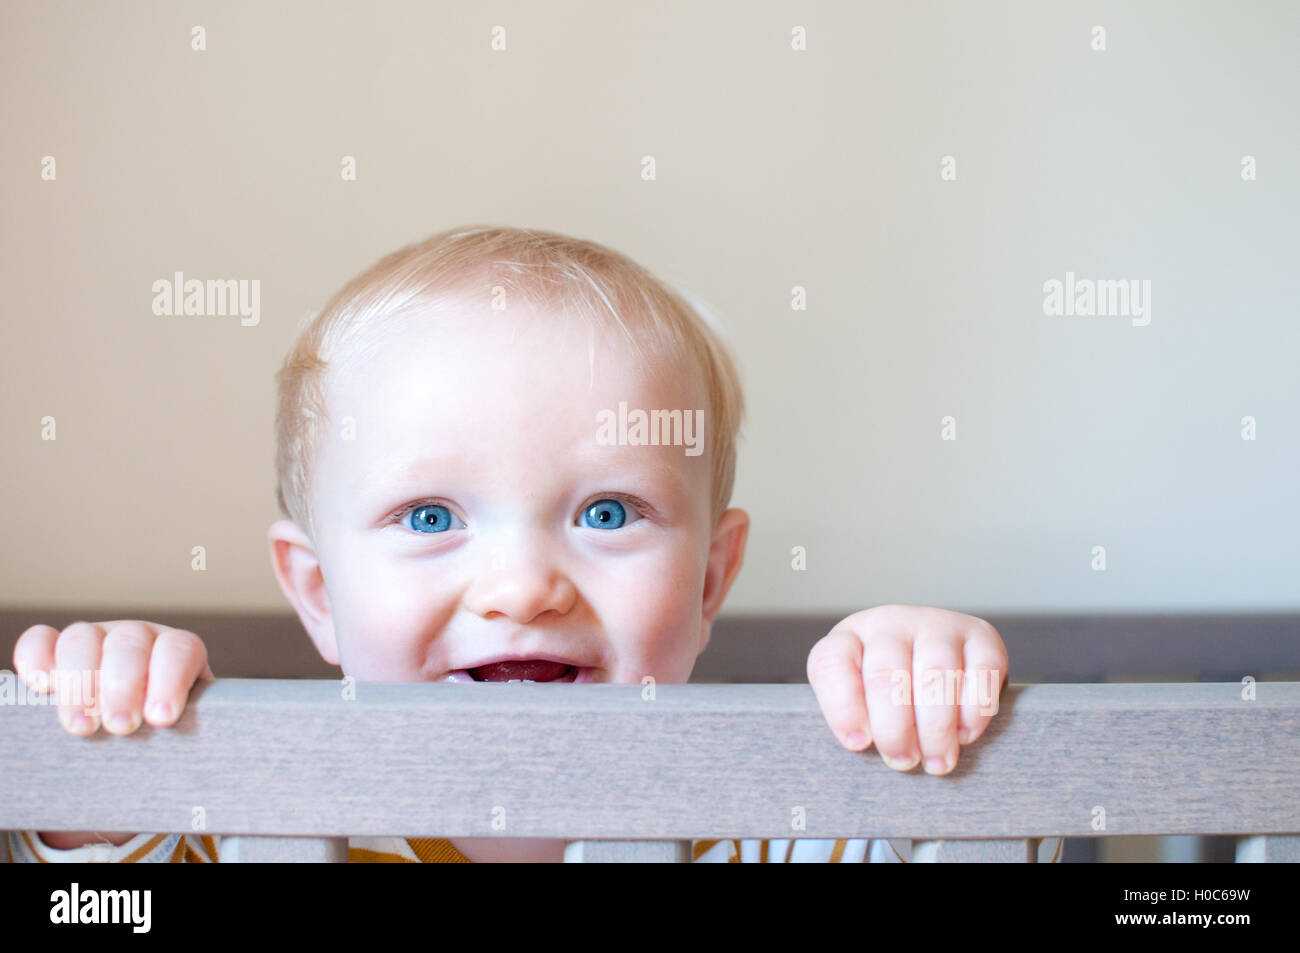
521	670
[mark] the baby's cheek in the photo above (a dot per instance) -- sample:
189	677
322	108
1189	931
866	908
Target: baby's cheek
373	651
380	634
670	619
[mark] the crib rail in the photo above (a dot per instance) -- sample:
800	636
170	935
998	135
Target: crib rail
635	772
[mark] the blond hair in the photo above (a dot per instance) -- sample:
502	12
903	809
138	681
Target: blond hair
556	274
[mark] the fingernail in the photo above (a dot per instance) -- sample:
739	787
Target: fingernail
938	765
122	724
160	711
901	764
856	739
83	723
963	736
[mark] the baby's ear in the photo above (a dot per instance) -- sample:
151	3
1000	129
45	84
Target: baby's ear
726	553
293	559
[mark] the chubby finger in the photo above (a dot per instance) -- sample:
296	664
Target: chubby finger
985	671
936	681
835	674
887	677
34	656
124	665
76	672
179	659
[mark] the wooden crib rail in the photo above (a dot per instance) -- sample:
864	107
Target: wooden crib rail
635	772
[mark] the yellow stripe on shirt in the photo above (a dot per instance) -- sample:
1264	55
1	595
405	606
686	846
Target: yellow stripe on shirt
144	849
32	848
359	855
434	850
702	847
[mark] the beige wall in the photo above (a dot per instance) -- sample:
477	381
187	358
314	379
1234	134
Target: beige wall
775	168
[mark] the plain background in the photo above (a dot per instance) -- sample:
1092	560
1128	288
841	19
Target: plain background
775	168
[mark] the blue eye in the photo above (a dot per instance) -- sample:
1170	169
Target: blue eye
430	519
604	514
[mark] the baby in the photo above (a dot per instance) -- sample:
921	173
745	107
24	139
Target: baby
485	456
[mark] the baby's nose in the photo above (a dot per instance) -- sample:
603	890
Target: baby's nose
520	588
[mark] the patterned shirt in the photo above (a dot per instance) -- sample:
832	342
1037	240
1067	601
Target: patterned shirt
27	847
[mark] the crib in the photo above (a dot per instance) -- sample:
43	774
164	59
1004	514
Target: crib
287	769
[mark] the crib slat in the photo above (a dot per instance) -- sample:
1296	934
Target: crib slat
1001	851
290	757
1268	849
279	850
627	852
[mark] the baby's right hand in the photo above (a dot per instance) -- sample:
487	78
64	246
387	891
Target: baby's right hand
144	671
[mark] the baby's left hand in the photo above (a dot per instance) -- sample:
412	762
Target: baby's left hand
866	670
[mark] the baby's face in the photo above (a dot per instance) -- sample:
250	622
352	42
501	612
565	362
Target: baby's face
473	516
